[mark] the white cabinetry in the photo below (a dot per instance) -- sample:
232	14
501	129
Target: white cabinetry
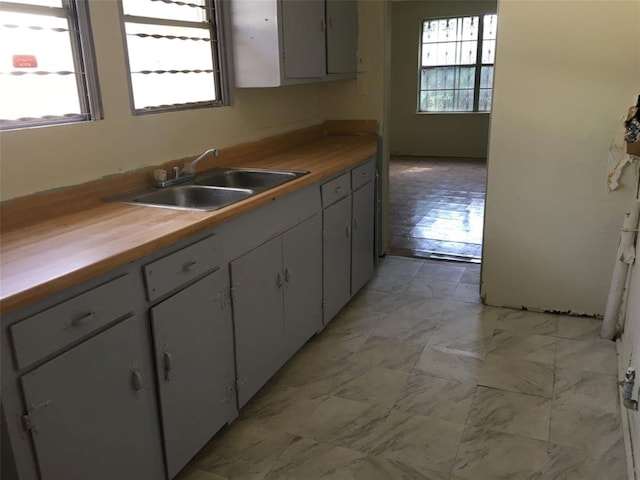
285	42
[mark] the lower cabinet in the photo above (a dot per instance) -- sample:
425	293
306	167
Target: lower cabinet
348	241
363	238
103	391
193	340
302	262
336	235
277	303
258	316
92	410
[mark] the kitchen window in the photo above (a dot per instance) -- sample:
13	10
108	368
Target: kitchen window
174	55
47	73
456	64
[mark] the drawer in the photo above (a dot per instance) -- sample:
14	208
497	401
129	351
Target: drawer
171	272
47	332
336	189
363	174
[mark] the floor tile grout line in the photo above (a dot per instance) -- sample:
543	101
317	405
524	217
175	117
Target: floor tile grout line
466	422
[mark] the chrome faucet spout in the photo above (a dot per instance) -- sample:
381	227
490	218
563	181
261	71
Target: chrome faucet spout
190	168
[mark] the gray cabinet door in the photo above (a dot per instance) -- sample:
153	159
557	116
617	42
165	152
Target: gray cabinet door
362	251
336	244
342	36
257	282
303	30
302	262
93	413
193	339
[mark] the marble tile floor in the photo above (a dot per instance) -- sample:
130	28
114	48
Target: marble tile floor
436	207
417	380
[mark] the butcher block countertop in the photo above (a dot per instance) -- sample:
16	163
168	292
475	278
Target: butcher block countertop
53	253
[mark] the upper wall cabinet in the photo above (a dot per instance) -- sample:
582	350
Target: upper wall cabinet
303	32
285	42
342	36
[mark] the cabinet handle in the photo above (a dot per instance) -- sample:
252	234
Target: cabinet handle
322	26
363	174
347	230
83	319
355	223
136	380
167	363
188	266
287	275
279	280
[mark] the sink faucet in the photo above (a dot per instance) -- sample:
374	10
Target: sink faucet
184	174
190	168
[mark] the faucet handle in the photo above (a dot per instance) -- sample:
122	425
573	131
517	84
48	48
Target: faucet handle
160	175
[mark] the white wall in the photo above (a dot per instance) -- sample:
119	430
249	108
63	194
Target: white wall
435	134
565	72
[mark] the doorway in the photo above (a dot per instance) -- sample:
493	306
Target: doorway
438	116
436	207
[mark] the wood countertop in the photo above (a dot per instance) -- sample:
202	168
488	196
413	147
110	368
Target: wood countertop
50	255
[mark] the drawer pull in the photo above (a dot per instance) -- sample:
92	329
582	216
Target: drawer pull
287	275
83	319
363	174
136	380
279	280
347	231
187	267
167	362
338	189
355	223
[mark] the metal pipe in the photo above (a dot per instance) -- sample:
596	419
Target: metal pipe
620	271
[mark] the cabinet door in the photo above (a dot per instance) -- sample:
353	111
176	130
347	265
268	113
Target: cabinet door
303	31
193	339
336	245
362	251
258	281
342	36
302	261
93	412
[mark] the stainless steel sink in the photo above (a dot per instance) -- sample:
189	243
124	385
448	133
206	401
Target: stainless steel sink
190	197
213	190
257	180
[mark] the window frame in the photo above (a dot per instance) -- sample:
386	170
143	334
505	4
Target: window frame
221	54
477	65
82	47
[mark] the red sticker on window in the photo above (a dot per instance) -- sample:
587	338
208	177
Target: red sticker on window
25	61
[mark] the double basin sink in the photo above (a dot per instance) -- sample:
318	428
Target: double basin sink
212	190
